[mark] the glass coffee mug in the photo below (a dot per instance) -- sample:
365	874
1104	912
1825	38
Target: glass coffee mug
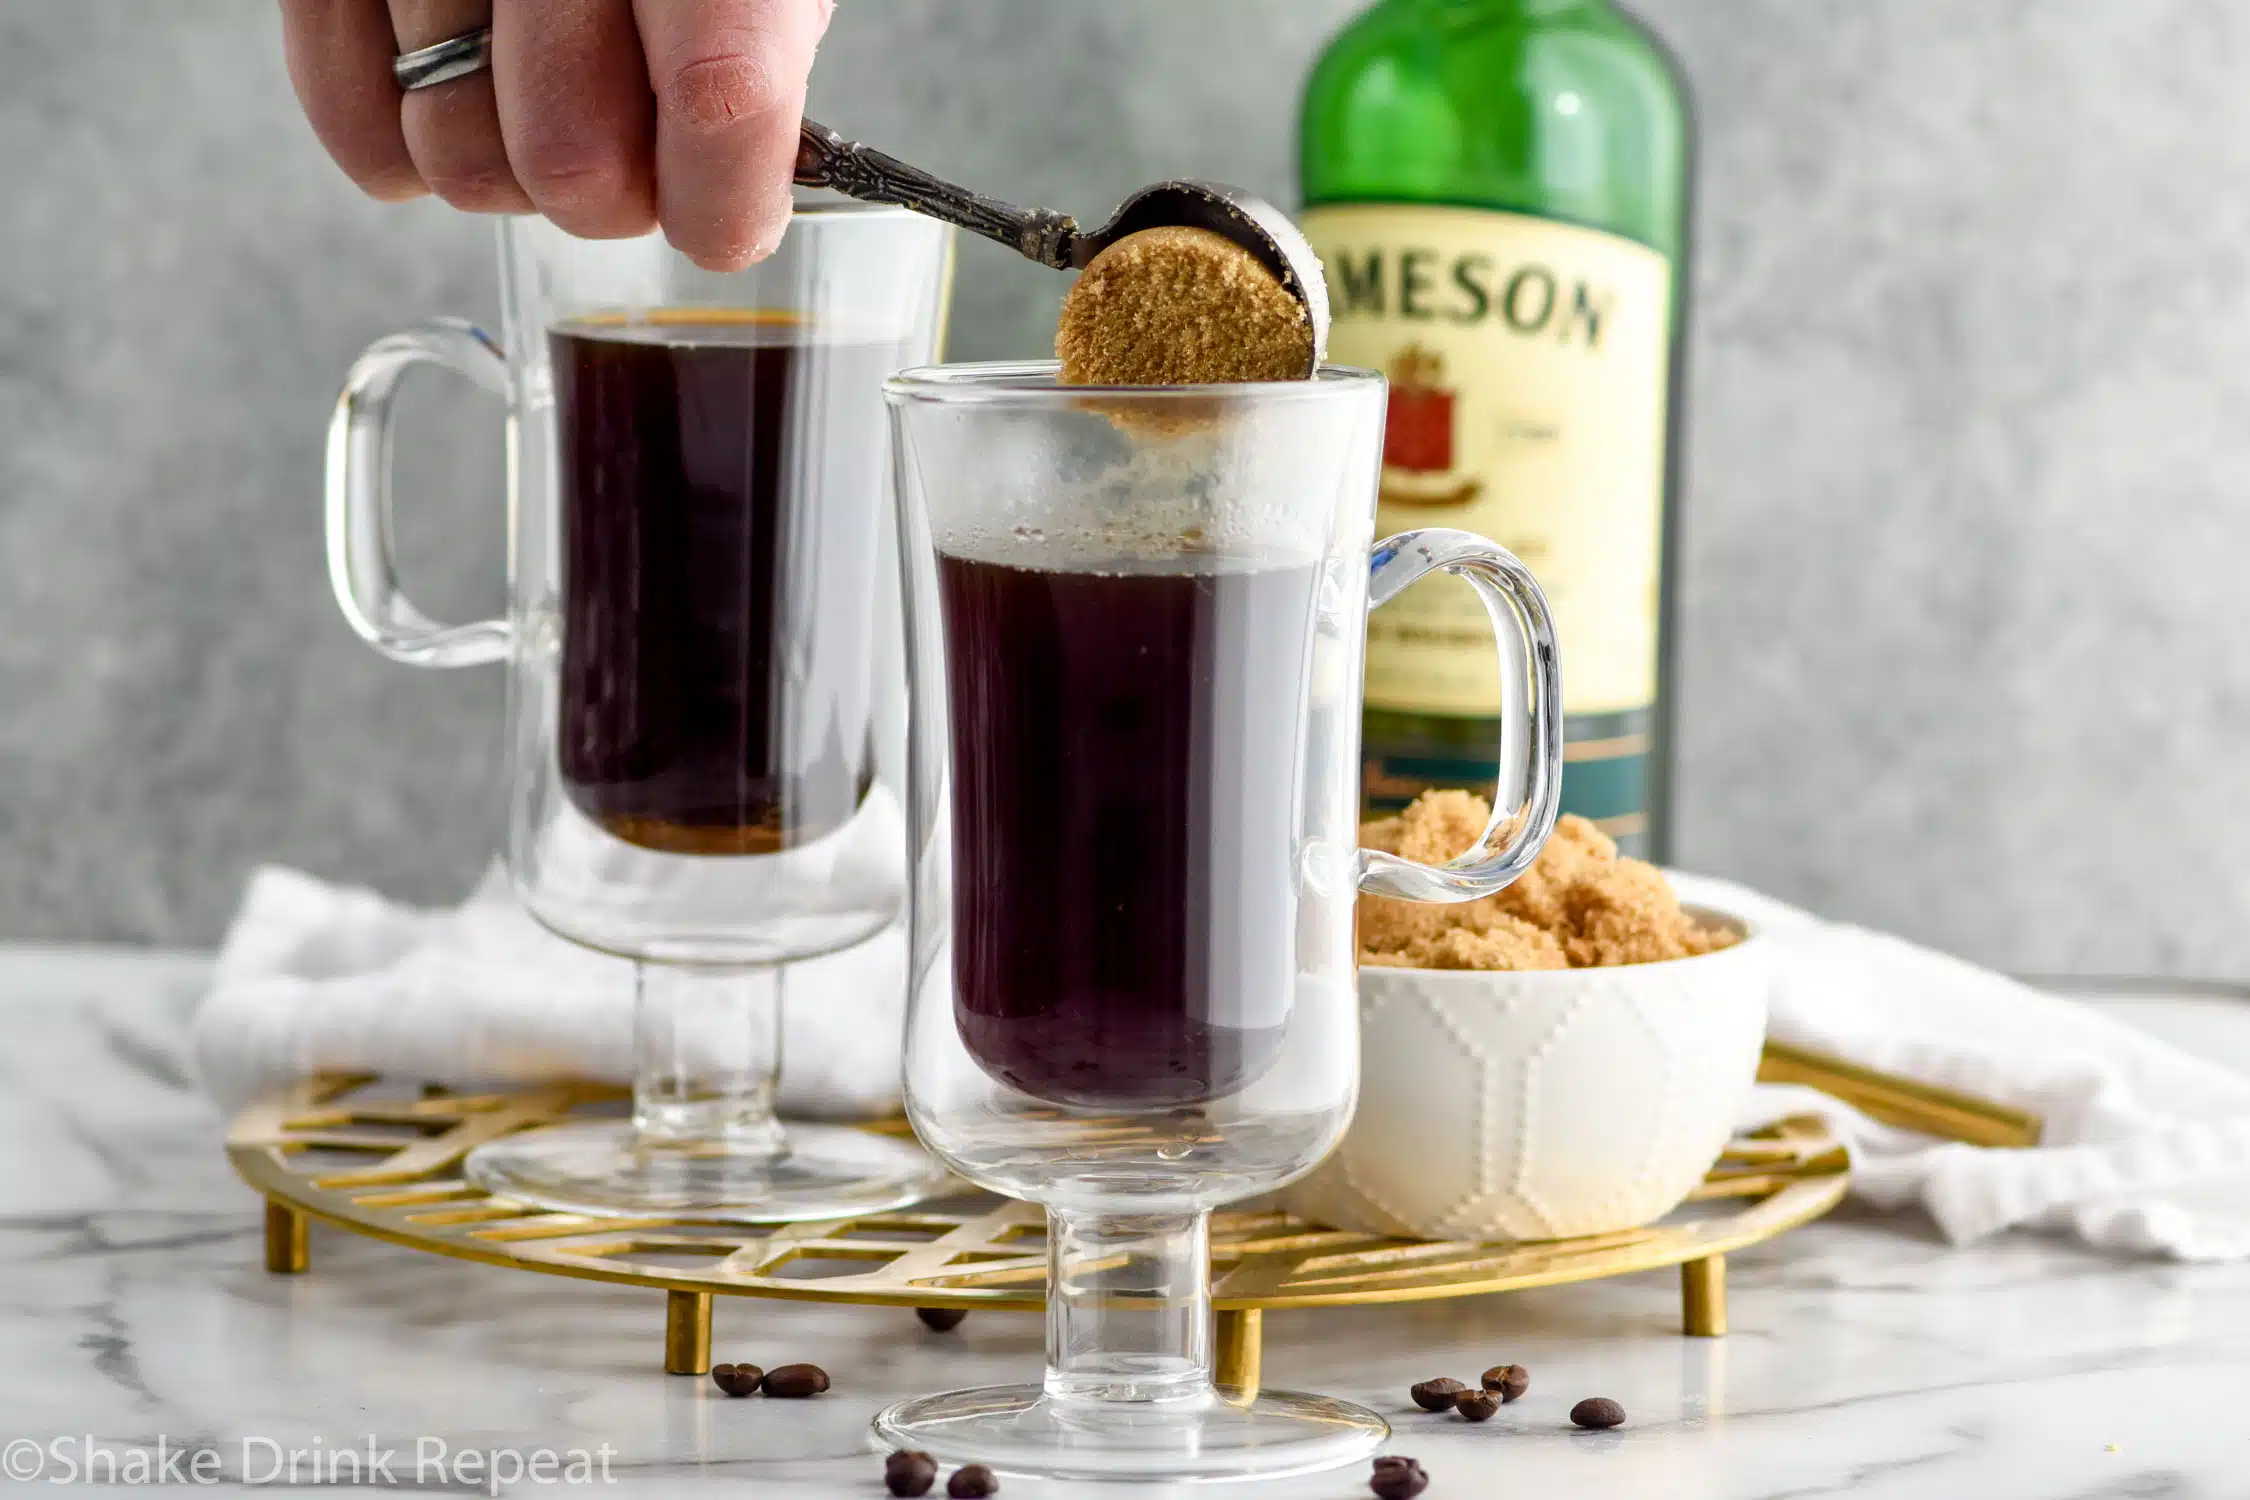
706	695
1136	629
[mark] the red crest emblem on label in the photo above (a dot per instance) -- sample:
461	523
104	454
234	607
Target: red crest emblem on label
1418	435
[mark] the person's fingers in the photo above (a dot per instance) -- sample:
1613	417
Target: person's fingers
729	79
453	129
576	112
340	55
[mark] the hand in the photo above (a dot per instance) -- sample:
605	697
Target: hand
607	116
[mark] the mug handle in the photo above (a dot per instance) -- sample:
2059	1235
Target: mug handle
1525	632
361	568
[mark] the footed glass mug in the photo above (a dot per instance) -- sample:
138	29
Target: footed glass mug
706	696
1137	620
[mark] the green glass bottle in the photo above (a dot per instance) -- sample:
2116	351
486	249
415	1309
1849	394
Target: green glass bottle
1499	192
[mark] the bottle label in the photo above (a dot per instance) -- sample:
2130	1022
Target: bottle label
1528	362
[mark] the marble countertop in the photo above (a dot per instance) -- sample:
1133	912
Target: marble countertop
1865	1356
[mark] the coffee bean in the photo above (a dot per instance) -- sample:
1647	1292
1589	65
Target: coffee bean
1438	1394
972	1482
796	1380
1397	1478
1597	1411
1477	1405
943	1319
1510	1381
737	1380
909	1473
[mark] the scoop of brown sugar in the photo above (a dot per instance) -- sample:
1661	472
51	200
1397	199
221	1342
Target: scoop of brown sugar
1580	905
1180	306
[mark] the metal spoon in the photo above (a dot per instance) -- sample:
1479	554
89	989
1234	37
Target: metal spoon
826	159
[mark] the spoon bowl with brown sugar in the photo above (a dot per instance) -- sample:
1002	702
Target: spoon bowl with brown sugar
1188	283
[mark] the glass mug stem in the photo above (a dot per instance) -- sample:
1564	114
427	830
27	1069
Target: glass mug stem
706	1054
1128	1307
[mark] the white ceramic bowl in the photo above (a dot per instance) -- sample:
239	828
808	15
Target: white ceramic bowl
1543	1104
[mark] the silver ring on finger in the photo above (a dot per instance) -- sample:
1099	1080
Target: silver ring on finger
456	57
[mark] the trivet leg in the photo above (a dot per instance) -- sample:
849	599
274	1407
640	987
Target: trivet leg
687	1333
1703	1297
1240	1352
288	1241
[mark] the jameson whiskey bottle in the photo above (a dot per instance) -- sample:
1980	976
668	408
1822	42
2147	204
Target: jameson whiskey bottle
1498	190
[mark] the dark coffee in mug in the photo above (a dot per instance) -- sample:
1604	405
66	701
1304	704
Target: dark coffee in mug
720	478
1125	745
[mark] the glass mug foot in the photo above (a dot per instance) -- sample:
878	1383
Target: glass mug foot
1020	1429
601	1167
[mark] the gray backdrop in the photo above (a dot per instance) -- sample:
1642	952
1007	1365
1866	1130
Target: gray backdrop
1970	413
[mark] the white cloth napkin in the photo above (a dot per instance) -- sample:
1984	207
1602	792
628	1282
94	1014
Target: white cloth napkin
2146	1148
316	978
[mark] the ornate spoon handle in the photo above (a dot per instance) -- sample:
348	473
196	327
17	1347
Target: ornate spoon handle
826	159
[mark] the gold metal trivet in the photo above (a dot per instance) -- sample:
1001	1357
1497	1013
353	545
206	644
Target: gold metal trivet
1904	1102
386	1163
